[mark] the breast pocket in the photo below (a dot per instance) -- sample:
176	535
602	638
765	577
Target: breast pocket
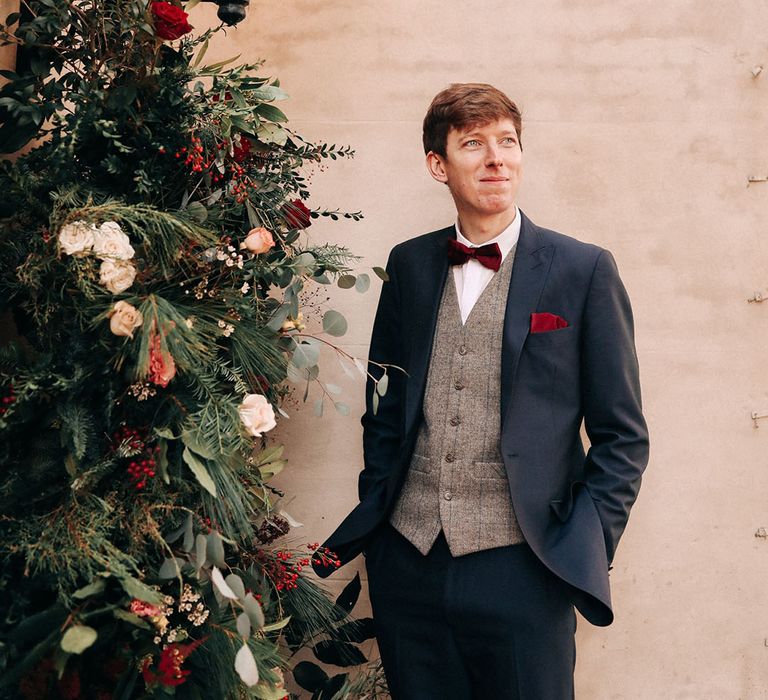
551	338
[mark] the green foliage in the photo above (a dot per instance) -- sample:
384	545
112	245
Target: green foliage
133	475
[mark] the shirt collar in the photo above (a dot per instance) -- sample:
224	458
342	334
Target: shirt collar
506	239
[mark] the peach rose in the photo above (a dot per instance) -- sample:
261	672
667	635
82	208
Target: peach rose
117	275
257	414
124	319
258	241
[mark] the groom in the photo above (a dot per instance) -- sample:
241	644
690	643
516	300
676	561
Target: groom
483	521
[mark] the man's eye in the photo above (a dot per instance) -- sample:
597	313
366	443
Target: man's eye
510	140
472	142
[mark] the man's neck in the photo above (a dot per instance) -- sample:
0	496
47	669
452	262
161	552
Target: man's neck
480	229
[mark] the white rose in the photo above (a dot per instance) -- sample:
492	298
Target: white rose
117	275
124	318
77	238
109	241
257	414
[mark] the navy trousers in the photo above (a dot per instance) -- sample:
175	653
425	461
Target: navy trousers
492	624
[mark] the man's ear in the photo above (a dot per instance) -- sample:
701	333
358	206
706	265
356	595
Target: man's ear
436	167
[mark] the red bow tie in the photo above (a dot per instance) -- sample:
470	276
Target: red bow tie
488	255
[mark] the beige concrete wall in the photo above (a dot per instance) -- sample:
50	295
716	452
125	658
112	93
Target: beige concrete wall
643	122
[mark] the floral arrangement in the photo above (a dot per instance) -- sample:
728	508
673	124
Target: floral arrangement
154	259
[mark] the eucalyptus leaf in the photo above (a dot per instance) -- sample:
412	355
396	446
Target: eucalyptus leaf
236	584
346	281
189	535
200	471
342	408
381	273
136	589
338	653
201	547
215	549
382	384
78	638
272	469
243	625
131	618
221	585
318	409
245	665
309	676
170	568
375	402
93	588
274	626
279	317
254	611
197	211
272	133
360	367
334	323
305	355
363	283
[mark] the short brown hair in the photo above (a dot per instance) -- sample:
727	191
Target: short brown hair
463	105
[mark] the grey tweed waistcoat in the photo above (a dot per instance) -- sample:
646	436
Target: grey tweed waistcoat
456	480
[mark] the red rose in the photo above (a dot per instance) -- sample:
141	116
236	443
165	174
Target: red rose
170	21
296	214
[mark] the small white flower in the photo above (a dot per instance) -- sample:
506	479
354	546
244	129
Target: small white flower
77	238
189	322
244	289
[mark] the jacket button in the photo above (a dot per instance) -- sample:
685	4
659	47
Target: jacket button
447	495
450	457
462	349
455	421
458	385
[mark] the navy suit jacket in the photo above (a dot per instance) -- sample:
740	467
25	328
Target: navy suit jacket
572	507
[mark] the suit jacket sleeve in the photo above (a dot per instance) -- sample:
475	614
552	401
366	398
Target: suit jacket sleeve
382	434
611	400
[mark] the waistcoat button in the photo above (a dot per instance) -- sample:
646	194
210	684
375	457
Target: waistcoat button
447	495
462	349
450	457
458	385
455	420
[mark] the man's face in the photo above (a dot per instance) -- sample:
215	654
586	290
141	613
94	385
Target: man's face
482	168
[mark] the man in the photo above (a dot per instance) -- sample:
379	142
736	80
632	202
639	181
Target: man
482	518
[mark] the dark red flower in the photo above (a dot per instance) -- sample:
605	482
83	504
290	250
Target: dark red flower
170	21
169	670
242	150
296	214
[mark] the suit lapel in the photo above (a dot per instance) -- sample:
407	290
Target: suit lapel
433	271
529	273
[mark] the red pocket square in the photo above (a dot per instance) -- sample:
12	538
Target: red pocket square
541	323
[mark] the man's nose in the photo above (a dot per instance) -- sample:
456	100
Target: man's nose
493	156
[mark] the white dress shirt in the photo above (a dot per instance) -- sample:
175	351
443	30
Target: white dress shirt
472	277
